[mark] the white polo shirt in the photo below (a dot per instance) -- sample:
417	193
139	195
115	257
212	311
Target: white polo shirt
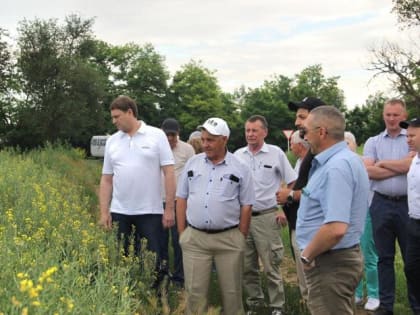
135	163
413	190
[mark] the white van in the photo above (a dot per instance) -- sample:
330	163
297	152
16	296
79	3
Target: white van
97	145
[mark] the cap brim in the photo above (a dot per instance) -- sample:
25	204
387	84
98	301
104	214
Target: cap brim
295	106
170	131
404	124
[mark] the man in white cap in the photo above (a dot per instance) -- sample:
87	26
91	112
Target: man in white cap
214	196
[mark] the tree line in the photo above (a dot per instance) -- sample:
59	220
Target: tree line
57	81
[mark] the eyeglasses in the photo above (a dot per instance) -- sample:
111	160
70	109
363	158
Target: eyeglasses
304	131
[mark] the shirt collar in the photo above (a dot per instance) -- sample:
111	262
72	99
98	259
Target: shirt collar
226	160
142	128
325	155
264	149
403	132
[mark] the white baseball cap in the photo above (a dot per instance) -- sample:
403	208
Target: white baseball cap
216	126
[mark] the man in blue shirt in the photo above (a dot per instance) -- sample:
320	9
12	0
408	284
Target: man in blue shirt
331	215
387	160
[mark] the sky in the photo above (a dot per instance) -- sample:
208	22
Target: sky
245	41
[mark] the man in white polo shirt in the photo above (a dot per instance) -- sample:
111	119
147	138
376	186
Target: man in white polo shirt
412	260
130	188
214	195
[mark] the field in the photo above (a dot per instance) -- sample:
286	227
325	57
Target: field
56	260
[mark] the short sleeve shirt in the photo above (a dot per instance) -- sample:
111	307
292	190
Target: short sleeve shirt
269	167
337	191
384	147
413	179
215	193
135	163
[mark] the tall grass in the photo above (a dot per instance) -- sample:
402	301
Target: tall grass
56	260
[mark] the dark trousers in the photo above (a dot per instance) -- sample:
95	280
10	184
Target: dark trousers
412	261
389	223
138	227
178	273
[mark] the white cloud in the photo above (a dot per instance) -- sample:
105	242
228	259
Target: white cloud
246	41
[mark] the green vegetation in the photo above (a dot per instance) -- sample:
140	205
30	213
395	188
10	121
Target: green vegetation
56	260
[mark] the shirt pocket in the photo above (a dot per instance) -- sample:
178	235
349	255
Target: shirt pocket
194	183
229	187
265	174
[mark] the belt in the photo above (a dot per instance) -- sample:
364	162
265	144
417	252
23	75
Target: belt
392	198
331	251
265	211
214	231
417	221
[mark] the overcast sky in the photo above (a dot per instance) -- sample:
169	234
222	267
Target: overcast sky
245	41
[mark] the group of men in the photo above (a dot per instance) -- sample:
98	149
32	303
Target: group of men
227	205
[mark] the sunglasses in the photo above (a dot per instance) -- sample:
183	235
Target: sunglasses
303	131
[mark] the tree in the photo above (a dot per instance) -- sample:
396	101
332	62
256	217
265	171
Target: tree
194	96
139	72
401	65
312	82
408	11
366	121
62	90
270	100
6	83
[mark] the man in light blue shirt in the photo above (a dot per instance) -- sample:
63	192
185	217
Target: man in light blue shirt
387	160
331	215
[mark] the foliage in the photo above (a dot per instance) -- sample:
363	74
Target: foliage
408	11
270	100
139	72
312	82
55	258
60	90
194	96
400	65
366	121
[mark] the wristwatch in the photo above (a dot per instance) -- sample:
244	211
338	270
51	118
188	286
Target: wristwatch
305	260
290	197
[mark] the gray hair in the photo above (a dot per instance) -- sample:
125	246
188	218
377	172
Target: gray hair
330	118
296	138
348	136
